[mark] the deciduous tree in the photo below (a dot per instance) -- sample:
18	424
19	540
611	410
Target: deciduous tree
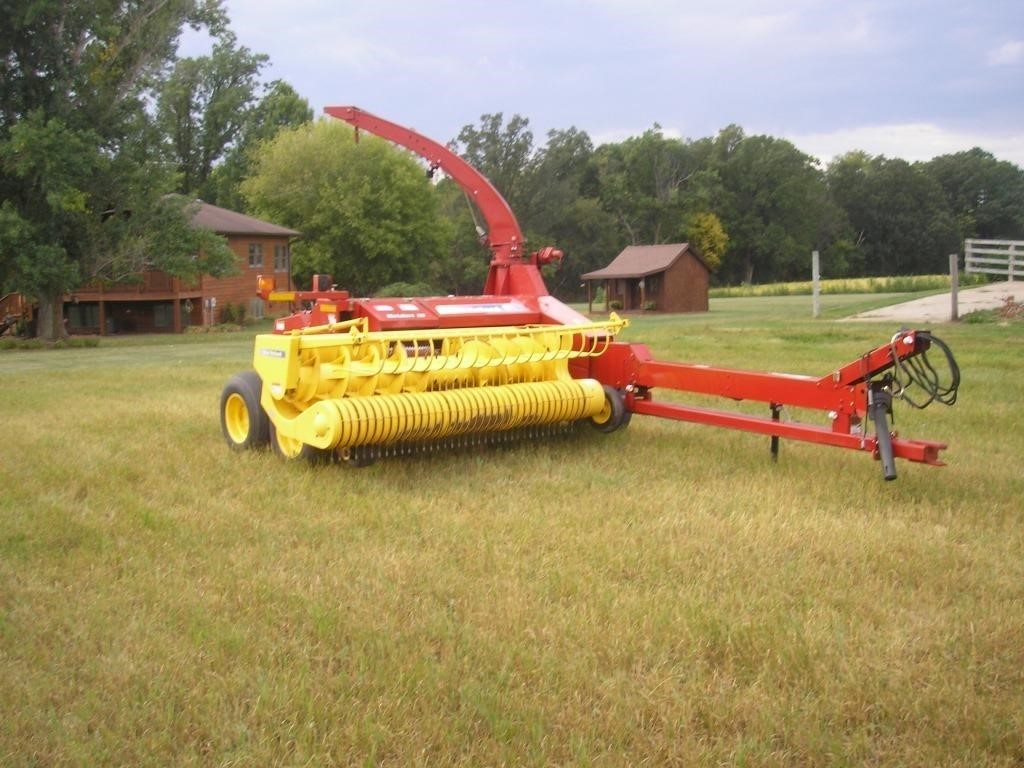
706	233
985	195
501	152
280	107
650	183
80	178
771	202
900	219
203	106
367	213
556	211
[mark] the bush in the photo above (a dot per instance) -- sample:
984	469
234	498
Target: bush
650	306
405	290
615	304
227	313
72	342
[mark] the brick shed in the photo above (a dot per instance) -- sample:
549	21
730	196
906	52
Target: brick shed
667	278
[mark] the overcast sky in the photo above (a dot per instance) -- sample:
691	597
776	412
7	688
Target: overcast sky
900	78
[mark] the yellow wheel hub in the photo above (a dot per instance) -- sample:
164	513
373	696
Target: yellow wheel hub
602	416
237	418
289	447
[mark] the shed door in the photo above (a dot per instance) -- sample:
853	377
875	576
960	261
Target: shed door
634	298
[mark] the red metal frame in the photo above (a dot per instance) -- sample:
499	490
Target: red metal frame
844	395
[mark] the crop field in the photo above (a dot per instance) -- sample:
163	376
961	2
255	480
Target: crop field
664	595
845	285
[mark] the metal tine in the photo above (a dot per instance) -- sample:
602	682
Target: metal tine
478	363
566	341
515	344
382	356
452	352
447	356
419	360
588	346
426	362
524	345
513	351
587	343
502	359
540	349
497	419
463	356
442	359
505	337
415	362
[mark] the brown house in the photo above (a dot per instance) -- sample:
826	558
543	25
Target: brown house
668	278
161	303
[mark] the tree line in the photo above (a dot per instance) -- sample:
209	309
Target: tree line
755	206
106	134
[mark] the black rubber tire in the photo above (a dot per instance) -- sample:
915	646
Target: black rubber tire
297	451
614	415
243	422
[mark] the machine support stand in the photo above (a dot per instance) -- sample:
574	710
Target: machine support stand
776	410
879	407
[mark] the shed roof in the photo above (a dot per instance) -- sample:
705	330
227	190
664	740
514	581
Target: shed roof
225	222
643	260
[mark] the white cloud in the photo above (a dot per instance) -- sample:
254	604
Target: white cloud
769	29
910	141
1010	52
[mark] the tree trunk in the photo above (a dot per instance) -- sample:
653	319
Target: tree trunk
748	271
50	323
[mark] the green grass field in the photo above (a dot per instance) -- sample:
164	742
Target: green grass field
661	596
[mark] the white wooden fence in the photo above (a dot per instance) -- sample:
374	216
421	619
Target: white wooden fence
995	257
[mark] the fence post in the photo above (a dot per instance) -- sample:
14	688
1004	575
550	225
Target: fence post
1012	259
954	282
816	283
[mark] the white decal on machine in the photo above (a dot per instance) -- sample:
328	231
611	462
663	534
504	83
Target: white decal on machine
495	308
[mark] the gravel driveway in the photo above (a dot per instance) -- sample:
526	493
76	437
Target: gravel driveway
937	309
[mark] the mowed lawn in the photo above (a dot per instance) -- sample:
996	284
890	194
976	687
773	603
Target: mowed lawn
665	595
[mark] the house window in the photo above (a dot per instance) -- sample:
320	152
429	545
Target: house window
163	315
83	315
256	255
280	258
